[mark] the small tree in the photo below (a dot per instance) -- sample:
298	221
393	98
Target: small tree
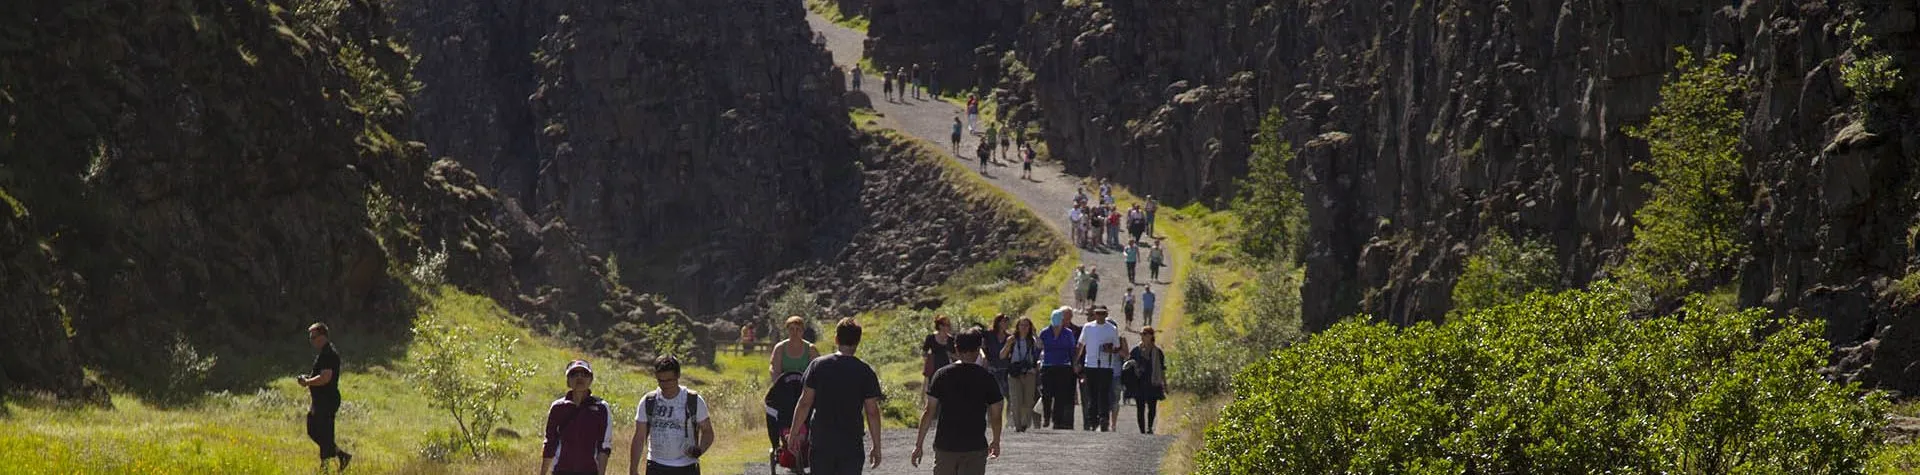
1503	271
1267	200
470	378
1689	227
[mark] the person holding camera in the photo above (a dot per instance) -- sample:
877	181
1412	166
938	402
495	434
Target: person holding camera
671	428
1022	354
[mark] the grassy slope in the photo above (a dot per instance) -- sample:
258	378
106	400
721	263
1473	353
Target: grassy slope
384	422
826	9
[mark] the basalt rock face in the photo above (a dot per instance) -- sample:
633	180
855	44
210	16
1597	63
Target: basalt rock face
958	44
1423	125
912	228
697	141
211	178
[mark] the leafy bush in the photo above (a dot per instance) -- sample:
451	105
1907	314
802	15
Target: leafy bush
1203	304
472	378
1868	74
1689	227
1503	272
1553	384
1268	200
797	300
1207	357
187	370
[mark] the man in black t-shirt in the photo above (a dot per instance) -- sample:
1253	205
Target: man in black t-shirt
839	388
324	385
967	400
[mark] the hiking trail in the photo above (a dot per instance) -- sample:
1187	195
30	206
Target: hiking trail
1050	193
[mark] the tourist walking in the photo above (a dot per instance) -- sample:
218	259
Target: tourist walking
1098	341
1113	227
323	385
792	354
1093	284
1022	354
992	139
1026	162
886	84
1126	306
579	428
1156	258
1153	206
841	391
1136	221
933	73
914	75
963	397
1074	216
936	350
955	136
1151	388
996	341
672	427
856	77
984	150
1005	142
1147	300
1132	253
1058	370
1115	392
973	113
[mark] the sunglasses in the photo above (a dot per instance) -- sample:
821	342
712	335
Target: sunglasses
579	374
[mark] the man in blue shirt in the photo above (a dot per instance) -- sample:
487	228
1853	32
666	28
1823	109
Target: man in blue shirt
1058	342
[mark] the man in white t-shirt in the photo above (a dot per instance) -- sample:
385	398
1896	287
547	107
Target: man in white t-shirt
666	420
1099	340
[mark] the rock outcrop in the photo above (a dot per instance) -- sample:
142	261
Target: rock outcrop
1422	125
959	45
697	142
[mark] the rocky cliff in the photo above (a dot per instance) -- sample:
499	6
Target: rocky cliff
960	44
698	142
1422	125
219	175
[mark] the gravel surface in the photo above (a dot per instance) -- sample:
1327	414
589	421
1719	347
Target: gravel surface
1042	451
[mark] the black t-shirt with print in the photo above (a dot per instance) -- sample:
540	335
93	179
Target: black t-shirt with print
965	391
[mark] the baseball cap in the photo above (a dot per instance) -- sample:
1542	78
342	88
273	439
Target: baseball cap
578	364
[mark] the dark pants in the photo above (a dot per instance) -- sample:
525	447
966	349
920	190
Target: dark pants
1060	393
836	456
1099	396
320	427
654	468
1130	271
1146	412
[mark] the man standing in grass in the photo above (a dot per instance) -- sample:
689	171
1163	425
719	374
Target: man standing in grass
664	432
579	428
839	388
324	385
968	402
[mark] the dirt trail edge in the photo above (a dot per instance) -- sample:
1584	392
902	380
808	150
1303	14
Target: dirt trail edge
1041	451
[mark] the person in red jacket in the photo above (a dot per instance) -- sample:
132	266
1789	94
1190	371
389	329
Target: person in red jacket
579	428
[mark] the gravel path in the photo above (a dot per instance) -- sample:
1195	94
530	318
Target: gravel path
1123	452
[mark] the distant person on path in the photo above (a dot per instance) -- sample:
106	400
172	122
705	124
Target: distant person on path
914	75
886	84
955	137
793	353
1006	143
671	428
856	77
1147	300
1156	258
1058	369
973	113
992	139
1026	162
1093	285
1136	221
962	395
1116	392
1126	305
840	389
1132	253
1099	340
995	342
1113	227
1151	376
1022	354
936	351
1074	216
1153	207
323	385
933	72
579	428
1106	190
984	151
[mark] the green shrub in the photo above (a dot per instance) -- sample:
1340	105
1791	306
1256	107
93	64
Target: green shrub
1206	358
1553	384
797	300
1503	271
1689	227
1868	74
474	379
1203	304
1268	200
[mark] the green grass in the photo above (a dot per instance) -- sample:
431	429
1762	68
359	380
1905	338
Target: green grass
384	422
827	10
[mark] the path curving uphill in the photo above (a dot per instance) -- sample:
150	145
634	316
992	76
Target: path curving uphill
1050	192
